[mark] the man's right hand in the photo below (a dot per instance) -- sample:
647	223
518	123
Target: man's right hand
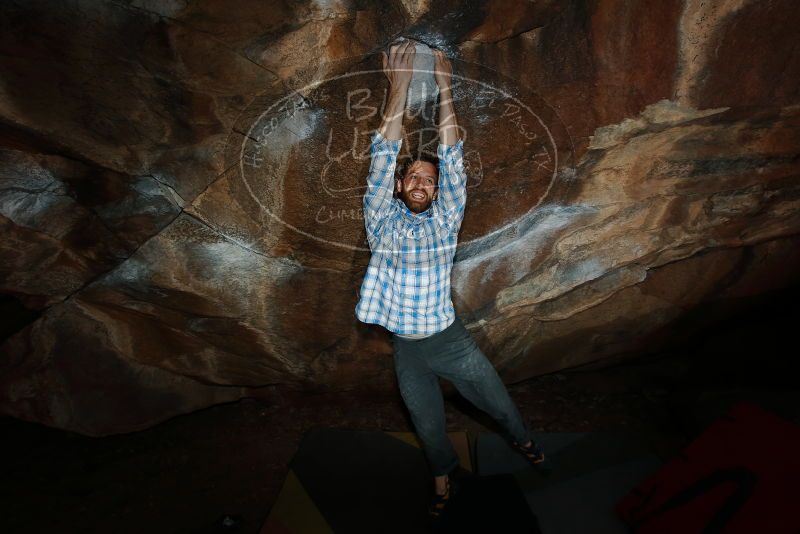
398	65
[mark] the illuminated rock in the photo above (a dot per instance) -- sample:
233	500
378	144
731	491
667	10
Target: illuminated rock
181	187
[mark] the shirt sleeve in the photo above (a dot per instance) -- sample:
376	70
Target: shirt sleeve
452	198
378	200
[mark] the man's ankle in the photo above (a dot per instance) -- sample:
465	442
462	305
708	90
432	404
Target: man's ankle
440	482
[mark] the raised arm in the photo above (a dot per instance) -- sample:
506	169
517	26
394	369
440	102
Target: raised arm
398	66
448	126
452	195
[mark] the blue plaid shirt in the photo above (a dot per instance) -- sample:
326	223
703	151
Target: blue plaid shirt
407	285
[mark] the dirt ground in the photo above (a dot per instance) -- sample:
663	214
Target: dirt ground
185	474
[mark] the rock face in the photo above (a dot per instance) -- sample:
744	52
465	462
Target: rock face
180	187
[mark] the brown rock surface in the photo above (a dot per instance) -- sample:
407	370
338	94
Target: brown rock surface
180	188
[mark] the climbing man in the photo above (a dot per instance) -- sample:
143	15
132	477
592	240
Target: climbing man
406	288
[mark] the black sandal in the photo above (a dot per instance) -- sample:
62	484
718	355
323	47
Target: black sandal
532	452
439	502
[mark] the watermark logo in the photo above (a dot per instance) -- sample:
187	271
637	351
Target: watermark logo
304	158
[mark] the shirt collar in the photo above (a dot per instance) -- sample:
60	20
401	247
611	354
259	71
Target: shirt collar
415	218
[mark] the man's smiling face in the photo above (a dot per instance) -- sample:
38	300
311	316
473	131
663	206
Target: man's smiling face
417	189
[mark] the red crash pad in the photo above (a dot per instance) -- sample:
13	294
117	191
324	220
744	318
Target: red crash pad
741	475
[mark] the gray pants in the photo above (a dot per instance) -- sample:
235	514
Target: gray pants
453	355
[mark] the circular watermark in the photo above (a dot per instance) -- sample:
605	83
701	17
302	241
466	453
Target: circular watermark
305	157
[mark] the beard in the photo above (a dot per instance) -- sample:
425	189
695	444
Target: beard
417	206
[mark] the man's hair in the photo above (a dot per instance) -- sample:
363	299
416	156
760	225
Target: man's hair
402	169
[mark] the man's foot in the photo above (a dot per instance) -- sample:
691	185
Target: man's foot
439	501
532	452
